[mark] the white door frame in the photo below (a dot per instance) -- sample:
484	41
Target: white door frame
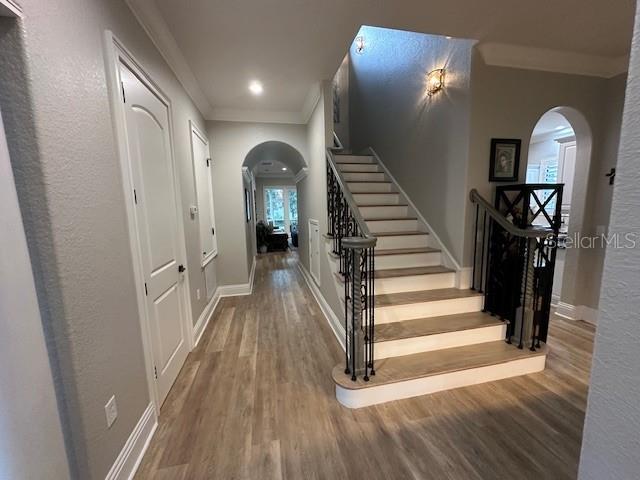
116	52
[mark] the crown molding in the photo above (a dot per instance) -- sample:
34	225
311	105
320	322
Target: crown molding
9	8
557	61
254	116
301	175
148	15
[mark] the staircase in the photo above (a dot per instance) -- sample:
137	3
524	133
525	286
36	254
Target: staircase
429	335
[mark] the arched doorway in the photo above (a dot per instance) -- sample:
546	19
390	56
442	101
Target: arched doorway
269	175
560	152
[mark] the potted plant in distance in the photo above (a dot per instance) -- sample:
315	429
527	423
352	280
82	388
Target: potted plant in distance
262	235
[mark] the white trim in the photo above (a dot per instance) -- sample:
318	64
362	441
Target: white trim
114	53
577	312
152	22
130	456
301	175
194	130
9	8
547	60
205	317
334	322
255	116
239	289
448	259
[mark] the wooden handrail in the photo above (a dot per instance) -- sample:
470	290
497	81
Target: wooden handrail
355	212
478	199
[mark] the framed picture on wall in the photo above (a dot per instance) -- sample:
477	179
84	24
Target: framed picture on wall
505	160
247	204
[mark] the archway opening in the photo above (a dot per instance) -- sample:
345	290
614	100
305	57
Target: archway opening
270	170
560	152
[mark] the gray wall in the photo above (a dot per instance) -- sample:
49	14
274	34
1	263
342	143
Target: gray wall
340	90
611	438
423	141
31	440
63	151
507	103
261	183
312	193
230	143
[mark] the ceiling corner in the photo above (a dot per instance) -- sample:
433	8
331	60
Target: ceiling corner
148	15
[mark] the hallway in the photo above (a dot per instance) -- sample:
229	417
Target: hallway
255	400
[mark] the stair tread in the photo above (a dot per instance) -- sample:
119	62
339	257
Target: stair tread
385	219
434	325
397	234
428	364
405	251
408	271
405	298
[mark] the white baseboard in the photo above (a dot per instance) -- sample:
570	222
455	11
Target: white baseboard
240	288
463	278
332	319
577	312
205	317
131	455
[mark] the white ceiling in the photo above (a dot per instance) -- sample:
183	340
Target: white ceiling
550	122
290	45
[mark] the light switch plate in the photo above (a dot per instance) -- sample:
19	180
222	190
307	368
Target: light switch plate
111	411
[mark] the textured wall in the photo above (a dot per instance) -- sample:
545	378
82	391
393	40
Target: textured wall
64	156
29	422
423	141
507	103
230	144
611	439
312	193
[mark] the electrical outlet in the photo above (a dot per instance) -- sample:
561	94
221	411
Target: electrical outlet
198	293
111	411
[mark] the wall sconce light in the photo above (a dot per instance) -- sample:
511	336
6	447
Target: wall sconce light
360	45
435	81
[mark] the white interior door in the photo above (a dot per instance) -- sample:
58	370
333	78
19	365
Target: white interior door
204	191
149	144
567	166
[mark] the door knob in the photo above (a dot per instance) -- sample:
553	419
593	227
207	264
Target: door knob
181	269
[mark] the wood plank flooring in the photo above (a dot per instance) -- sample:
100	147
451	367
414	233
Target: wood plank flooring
255	400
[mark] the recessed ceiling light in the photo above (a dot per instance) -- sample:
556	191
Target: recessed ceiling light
284	169
255	87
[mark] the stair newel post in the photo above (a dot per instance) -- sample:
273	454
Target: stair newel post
360	339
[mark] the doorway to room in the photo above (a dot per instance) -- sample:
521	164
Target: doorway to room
560	153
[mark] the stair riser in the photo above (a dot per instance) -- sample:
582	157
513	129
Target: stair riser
407	260
437	383
360	167
369	187
364	177
376	199
429	343
383	212
415	283
403	241
353	159
398	313
381	226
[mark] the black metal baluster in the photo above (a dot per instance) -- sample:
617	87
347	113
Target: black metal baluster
484	231
475	249
524	294
353	319
372	306
536	285
487	294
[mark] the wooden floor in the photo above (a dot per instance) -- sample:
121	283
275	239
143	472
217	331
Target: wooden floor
255	400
